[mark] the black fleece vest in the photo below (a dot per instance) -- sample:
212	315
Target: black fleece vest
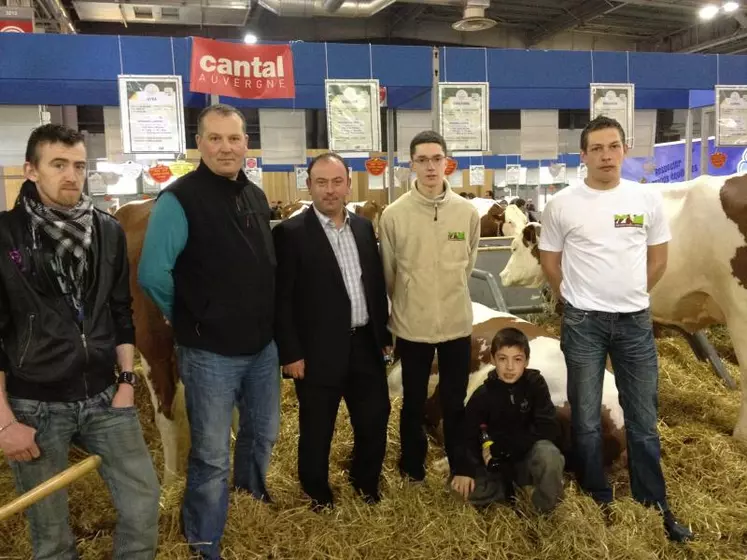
224	279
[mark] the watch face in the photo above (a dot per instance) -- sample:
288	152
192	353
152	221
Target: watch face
127	377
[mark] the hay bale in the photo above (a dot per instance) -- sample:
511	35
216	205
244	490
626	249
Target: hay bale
706	473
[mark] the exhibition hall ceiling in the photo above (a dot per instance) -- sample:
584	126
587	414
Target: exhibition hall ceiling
693	26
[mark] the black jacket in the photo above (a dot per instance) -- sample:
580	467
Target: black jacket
517	416
224	279
45	354
313	314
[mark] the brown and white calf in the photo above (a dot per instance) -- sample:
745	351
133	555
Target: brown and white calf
546	356
705	282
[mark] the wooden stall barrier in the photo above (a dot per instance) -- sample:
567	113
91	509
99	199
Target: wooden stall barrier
57	482
11	179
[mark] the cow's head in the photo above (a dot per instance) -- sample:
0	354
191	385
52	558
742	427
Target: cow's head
492	222
523	267
515	221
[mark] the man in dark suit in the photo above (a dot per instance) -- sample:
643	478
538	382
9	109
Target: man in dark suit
331	330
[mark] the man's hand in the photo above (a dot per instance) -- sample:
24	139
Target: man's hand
18	444
463	485
295	369
124	397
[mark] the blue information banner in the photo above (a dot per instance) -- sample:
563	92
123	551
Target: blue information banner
668	163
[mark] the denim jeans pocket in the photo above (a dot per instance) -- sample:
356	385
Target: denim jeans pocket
30	412
104	402
573	317
643	320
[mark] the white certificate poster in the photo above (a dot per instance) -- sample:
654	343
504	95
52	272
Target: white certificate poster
353	115
616	101
731	115
152	110
463	115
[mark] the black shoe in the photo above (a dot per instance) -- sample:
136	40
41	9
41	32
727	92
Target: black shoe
266	498
370	498
676	532
318	506
607	513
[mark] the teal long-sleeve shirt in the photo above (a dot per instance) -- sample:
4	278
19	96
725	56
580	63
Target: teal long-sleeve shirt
164	241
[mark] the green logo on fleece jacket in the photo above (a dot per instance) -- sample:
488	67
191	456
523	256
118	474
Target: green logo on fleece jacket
456	236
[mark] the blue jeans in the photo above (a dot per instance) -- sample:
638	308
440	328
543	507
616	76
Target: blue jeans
126	467
587	337
213	385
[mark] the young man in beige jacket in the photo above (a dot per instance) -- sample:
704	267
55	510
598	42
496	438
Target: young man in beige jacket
429	238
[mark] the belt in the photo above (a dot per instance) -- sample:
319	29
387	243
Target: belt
609	314
357	330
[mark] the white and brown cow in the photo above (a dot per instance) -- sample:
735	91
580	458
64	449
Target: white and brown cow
546	356
154	341
497	221
705	282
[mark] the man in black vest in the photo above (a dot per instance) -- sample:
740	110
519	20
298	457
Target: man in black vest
208	263
331	331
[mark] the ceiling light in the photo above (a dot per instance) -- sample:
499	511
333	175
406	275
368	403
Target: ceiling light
250	38
731	7
708	12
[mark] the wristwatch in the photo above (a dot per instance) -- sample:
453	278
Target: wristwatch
127	377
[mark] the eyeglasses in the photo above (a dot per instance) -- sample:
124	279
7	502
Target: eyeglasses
435	160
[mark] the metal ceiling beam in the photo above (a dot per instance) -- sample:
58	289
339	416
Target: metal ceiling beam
713	43
588	10
672	5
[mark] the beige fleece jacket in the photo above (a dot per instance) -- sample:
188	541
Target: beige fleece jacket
429	248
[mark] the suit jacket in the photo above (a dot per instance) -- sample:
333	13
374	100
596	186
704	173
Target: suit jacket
313	312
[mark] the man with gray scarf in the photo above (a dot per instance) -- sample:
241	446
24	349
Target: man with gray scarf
65	322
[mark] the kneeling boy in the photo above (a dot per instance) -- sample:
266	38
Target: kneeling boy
512	431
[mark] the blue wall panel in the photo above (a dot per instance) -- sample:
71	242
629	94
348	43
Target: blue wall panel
403	66
539	69
147	55
608	67
732	70
58	57
673	71
82	69
463	64
701	98
308	63
347	61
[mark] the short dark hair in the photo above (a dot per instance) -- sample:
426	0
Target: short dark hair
520	203
600	123
51	134
224	111
427	137
507	338
328	155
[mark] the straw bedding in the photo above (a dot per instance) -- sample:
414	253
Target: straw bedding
706	472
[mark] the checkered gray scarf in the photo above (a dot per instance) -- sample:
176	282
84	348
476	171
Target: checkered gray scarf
71	232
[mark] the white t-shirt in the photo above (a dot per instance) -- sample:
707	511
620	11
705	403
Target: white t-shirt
604	236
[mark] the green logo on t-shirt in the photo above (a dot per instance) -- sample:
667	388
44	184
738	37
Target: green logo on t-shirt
456	236
629	220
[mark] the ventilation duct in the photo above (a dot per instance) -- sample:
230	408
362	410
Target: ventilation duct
474	18
326	8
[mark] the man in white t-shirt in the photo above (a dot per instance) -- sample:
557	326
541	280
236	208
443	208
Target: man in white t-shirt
603	247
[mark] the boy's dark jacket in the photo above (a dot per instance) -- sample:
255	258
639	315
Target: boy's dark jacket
517	415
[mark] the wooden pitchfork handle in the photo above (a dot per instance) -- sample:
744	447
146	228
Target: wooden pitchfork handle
57	482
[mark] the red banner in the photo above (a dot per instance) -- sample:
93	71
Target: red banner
245	71
16	26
